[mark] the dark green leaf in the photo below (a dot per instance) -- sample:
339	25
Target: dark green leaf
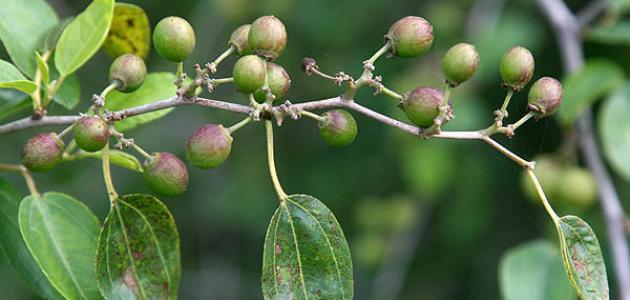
13	247
23	24
11	78
116	157
83	36
583	259
53	35
533	271
595	80
157	86
614	130
306	255
130	32
69	94
61	234
13	102
618	33
138	251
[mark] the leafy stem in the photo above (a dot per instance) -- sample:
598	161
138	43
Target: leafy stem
30	182
53	88
107	176
272	165
542	196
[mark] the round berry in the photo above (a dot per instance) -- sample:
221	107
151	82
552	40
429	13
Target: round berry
545	96
410	37
279	83
91	133
42	152
422	105
130	72
267	37
577	188
239	39
249	73
166	174
460	63
516	67
209	146
174	39
338	128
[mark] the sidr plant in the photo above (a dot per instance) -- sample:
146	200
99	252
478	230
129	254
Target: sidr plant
305	252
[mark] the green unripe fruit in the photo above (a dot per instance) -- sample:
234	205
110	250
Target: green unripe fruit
267	37
239	39
174	39
422	105
410	37
577	188
460	63
249	73
166	174
129	70
338	128
91	133
209	146
549	173
42	152
279	83
545	96
516	67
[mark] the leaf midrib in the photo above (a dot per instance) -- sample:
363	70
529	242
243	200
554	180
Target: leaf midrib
133	265
297	249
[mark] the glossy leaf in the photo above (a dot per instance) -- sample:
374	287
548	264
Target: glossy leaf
583	259
306	255
61	234
533	271
130	32
42	66
614	130
23	24
69	93
11	78
13	247
116	157
138	251
595	80
83	36
157	86
611	34
51	37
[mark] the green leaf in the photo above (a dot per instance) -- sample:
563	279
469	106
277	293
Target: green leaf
614	130
138	251
582	258
581	89
14	248
157	86
69	93
42	66
83	36
52	36
23	24
615	34
533	271
61	234
306	255
130	32
11	78
13	102
116	157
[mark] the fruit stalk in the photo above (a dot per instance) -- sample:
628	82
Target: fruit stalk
272	164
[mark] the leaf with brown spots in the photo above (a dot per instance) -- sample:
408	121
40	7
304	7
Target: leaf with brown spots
130	32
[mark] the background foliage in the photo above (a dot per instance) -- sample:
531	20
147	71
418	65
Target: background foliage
452	207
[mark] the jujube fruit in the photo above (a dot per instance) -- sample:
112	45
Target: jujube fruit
249	73
267	37
209	146
338	128
91	133
166	174
174	39
410	37
516	67
422	105
545	96
460	63
239	39
42	152
129	71
279	83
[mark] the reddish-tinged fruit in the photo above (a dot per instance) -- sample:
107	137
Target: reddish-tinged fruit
42	152
460	63
267	37
239	39
249	73
545	96
129	70
174	39
516	67
209	146
338	128
279	83
166	174
422	105
410	37
91	133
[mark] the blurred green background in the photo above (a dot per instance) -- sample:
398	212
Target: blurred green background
424	219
